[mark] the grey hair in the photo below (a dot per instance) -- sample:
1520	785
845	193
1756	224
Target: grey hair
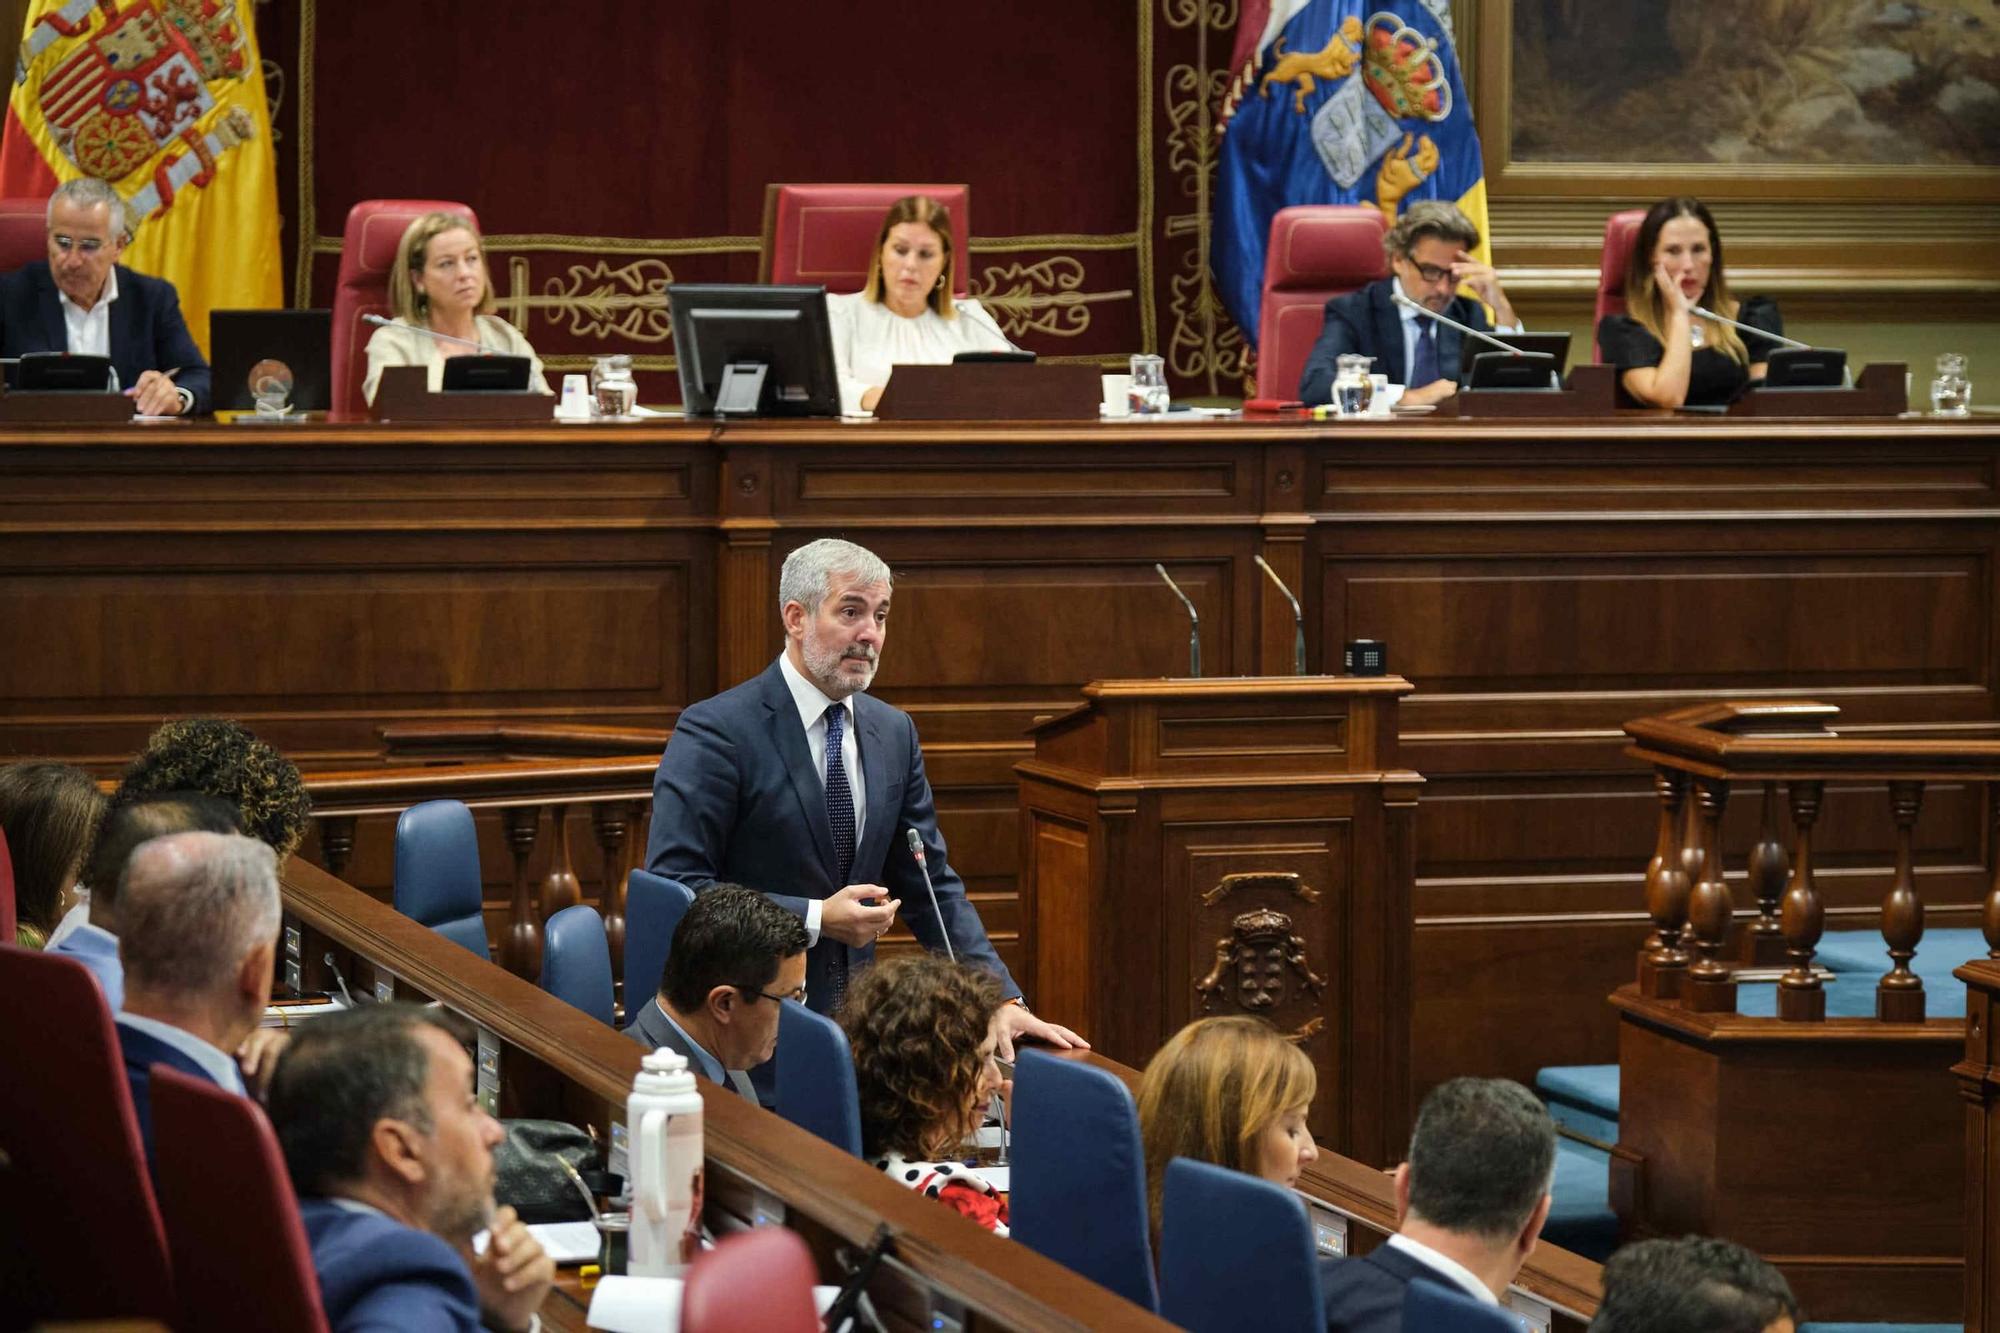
1481	1157
809	571
1426	218
89	192
192	906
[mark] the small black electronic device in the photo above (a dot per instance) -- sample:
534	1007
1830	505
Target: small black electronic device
300	340
1805	368
1549	344
753	350
986	358
486	374
60	372
1505	370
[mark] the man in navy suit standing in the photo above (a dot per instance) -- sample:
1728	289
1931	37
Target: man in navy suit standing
82	300
1470	1204
1430	258
799	784
197	935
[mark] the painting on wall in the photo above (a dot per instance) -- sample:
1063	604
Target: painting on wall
1756	83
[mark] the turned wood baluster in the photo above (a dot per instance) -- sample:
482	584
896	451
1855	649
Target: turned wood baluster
1710	987
613	823
1662	961
521	943
336	843
560	888
1989	920
1692	852
1801	998
1764	942
1899	995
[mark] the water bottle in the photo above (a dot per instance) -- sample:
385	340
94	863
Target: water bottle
663	1129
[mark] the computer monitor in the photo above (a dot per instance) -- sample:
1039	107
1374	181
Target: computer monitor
1505	370
299	339
1806	368
486	374
61	372
749	350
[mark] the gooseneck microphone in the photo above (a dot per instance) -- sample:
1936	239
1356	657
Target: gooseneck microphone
1194	622
1706	313
1298	619
1448	322
916	841
428	333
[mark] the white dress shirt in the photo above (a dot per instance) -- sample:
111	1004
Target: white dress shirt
812	706
90	330
1445	1266
217	1064
1413	325
869	339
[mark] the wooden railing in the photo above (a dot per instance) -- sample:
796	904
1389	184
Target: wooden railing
516	772
1699	756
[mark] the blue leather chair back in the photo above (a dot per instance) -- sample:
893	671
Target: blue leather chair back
816	1077
654	905
437	872
1429	1308
576	961
1079	1174
1230	1242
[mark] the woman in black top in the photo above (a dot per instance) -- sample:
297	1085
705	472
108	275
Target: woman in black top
1668	356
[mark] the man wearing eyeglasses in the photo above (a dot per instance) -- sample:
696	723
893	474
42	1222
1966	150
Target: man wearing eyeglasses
735	957
1430	259
83	301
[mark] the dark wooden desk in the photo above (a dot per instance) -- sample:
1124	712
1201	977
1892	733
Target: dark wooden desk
1539	583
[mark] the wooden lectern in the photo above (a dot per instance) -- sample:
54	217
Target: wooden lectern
1231	846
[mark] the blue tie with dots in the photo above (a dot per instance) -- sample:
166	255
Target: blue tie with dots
839	818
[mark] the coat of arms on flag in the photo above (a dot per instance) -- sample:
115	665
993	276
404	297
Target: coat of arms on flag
1336	102
163	99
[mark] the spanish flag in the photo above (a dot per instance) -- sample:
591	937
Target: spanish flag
163	99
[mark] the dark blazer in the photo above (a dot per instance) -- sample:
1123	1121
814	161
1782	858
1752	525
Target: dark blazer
737	799
652	1030
147	330
378	1276
1368	322
143	1051
1365	1295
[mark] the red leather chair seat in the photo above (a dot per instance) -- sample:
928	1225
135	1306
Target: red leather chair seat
24	233
1316	252
824	233
761	1279
1620	231
367	249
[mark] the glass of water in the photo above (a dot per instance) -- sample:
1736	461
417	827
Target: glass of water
1149	384
1951	391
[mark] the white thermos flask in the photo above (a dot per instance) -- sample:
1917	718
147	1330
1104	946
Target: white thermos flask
663	1125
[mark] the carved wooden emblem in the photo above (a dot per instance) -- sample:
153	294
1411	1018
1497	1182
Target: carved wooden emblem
1267	961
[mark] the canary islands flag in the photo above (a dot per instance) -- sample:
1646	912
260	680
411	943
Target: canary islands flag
164	100
1337	102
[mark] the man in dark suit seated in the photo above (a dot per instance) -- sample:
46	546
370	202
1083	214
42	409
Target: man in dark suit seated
1430	258
1470	1204
800	784
82	300
1696	1284
392	1158
197	936
735	957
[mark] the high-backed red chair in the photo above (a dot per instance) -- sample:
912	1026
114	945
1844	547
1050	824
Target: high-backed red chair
367	249
232	1220
24	232
1316	252
80	1234
7	918
1620	231
824	233
761	1279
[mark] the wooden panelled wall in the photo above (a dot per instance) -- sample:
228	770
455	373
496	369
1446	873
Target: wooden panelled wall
1539	585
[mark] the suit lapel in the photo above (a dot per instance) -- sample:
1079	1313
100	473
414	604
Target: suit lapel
124	332
54	330
874	849
788	739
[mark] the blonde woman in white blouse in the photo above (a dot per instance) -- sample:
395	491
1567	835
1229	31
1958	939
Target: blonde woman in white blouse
905	315
439	282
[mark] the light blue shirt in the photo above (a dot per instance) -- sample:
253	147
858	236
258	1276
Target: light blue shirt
97	949
217	1064
812	705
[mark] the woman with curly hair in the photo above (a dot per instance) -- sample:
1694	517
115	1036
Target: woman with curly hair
218	757
1230	1090
50	813
922	1032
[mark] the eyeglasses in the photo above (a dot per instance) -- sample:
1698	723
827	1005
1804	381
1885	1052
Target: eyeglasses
90	245
799	994
1429	272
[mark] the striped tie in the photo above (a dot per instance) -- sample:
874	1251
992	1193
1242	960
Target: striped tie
839	818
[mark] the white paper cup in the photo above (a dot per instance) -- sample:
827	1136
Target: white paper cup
1117	395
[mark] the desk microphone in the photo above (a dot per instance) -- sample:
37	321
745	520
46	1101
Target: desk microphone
1298	619
1194	622
1466	329
916	841
338	979
429	333
1706	313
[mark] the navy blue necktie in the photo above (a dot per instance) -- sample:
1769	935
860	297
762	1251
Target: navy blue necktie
839	818
1424	364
